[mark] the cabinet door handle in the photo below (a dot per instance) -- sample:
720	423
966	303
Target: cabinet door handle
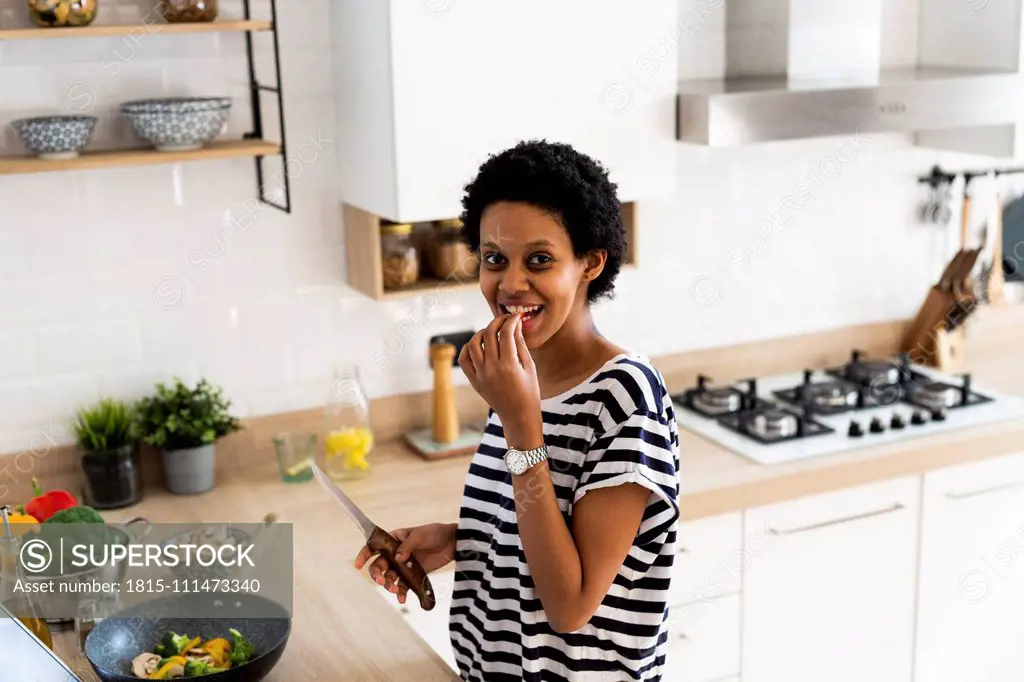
791	531
984	491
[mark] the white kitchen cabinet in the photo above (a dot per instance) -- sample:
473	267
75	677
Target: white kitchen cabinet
831	597
971	599
431	626
704	643
427	90
709	559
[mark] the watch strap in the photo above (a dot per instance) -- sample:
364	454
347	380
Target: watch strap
535	456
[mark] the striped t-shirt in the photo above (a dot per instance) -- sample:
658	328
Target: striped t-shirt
616	427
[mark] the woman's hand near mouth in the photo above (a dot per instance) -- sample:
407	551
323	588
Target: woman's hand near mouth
502	372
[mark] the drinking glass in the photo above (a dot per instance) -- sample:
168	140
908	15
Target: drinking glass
295	453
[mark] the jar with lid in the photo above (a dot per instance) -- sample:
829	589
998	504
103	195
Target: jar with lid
348	436
450	257
399	258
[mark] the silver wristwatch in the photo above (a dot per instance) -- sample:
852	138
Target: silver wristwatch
520	461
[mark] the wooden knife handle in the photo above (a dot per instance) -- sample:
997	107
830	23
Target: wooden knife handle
412	574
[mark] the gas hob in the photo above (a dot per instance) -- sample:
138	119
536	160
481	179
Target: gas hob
863	403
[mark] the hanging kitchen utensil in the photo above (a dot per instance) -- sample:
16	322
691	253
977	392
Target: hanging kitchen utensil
995	293
937	210
965	213
1012	243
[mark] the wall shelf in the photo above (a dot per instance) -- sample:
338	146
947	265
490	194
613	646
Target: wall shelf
253	143
117	158
365	264
134	29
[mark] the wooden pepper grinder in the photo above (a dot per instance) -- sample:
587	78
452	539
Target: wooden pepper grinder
446	416
445	437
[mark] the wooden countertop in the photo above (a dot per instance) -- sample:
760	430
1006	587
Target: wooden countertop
342	628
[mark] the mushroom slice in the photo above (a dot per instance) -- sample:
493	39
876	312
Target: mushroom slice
145	664
198	651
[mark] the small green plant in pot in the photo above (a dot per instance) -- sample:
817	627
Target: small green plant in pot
185	424
110	456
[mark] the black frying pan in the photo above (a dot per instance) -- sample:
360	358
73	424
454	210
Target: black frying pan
116	641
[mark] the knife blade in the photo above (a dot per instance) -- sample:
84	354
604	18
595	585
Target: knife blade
383	543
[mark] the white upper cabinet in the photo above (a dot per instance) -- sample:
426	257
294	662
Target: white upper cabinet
427	90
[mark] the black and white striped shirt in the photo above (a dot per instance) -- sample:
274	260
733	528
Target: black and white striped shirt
616	427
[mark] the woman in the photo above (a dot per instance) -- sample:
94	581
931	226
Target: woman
566	535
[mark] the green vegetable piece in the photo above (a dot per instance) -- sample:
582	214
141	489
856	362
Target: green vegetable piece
199	668
172	644
79	514
241	649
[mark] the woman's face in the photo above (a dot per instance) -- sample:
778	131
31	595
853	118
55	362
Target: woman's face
527	265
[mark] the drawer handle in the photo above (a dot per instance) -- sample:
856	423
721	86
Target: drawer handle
896	507
984	491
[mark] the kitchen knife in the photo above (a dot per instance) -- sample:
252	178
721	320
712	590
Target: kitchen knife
383	543
962	276
946	280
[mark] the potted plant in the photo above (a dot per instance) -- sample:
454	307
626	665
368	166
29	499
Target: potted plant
185	424
110	454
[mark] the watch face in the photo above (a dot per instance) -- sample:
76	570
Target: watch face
516	462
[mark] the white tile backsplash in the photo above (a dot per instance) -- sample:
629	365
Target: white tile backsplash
112	280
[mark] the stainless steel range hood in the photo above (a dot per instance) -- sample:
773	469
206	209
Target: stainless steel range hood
730	112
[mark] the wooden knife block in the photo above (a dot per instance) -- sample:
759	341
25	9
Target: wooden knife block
445	438
950	350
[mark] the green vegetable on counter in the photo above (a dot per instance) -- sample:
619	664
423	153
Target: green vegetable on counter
79	514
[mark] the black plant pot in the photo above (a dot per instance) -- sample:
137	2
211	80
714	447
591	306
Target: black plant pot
113	479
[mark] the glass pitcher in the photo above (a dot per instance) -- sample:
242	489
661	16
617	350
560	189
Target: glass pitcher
348	437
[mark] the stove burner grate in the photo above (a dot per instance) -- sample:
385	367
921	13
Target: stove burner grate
744	423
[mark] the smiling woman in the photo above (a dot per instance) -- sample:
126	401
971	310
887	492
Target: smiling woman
567	531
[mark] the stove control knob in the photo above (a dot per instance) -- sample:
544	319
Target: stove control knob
918	418
855	429
876	426
939	415
897	421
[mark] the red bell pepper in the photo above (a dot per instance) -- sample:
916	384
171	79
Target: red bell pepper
45	505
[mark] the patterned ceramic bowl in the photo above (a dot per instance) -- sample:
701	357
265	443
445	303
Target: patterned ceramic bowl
56	137
62	12
172	105
171	131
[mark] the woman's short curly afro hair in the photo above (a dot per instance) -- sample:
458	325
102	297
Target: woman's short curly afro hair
557	178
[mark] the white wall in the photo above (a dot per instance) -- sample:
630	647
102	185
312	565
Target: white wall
87	305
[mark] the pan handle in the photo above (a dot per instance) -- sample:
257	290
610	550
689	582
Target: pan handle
148	526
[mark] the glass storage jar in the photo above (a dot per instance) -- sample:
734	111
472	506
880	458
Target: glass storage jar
399	258
348	437
188	11
450	257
